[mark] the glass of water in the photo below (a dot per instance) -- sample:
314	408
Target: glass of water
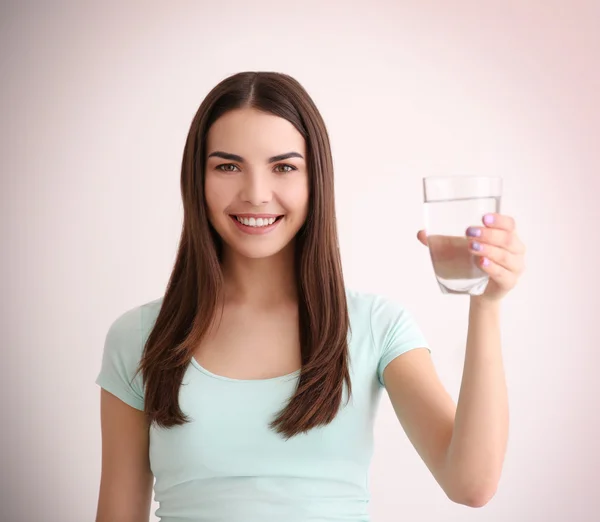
452	204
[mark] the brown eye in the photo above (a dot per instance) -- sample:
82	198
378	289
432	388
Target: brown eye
224	167
288	168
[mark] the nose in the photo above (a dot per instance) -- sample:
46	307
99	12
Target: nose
256	189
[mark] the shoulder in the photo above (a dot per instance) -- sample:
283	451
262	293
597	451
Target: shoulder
134	324
127	334
376	310
123	349
386	324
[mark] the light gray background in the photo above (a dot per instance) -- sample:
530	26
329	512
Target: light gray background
96	103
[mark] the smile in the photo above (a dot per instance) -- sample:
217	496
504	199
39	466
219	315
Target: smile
256	224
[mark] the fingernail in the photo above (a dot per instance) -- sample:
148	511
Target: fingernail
476	246
488	219
473	232
485	261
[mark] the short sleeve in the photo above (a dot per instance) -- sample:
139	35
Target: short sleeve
120	358
395	332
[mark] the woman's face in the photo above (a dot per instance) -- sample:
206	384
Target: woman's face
256	181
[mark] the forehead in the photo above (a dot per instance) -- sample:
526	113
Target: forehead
254	134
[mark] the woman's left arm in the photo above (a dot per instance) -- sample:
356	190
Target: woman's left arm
464	446
476	450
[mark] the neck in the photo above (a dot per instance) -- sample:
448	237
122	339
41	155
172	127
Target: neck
262	282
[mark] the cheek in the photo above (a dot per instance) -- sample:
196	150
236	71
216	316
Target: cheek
214	196
297	197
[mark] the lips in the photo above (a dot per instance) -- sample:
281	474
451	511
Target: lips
256	223
256	219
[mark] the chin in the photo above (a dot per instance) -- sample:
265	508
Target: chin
257	251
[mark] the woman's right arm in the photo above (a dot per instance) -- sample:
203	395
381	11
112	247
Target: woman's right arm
127	481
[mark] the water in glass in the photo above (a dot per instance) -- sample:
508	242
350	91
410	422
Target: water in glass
446	222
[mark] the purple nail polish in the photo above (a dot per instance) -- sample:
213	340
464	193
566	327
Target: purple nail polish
476	246
485	261
488	219
473	232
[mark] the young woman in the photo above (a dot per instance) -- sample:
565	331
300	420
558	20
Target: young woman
249	390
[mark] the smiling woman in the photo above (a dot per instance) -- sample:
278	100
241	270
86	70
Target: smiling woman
249	389
258	185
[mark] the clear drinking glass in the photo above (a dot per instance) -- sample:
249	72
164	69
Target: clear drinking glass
452	204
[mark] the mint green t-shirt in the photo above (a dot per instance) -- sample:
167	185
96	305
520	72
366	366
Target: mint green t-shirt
227	465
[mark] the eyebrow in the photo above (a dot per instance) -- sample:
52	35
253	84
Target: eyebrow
235	157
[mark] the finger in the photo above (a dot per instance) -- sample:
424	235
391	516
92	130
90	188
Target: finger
497	237
422	237
505	278
511	262
495	220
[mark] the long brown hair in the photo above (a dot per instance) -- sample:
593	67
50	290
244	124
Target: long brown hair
190	302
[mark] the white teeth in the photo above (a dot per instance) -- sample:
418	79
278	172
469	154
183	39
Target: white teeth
258	222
